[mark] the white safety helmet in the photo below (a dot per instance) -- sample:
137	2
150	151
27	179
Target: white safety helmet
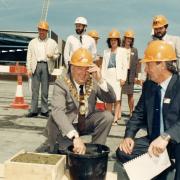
81	20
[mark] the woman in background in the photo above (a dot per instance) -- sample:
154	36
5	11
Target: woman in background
114	70
132	73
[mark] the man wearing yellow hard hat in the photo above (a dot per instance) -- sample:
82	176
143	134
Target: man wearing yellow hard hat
160	26
41	55
158	109
94	34
73	105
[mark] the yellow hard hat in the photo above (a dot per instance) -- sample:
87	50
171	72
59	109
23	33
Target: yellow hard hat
114	34
129	34
158	51
43	25
159	21
93	34
82	57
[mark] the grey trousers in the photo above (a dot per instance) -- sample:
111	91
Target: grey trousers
40	76
98	124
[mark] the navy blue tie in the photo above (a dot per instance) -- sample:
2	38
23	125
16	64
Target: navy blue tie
157	114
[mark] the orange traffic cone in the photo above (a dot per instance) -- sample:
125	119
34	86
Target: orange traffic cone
19	102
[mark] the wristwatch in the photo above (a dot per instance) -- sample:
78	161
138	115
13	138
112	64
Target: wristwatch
165	136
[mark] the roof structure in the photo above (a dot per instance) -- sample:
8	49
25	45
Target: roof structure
14	44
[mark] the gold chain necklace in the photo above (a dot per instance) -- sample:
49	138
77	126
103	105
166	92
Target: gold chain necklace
73	90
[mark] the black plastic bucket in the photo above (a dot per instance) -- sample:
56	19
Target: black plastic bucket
90	166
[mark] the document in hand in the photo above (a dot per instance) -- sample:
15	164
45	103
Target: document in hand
145	167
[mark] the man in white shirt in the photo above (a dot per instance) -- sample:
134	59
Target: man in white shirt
73	105
41	56
160	25
78	40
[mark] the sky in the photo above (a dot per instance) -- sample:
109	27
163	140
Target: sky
102	15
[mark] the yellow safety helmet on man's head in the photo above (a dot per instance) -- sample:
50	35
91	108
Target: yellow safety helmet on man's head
43	25
158	51
159	21
114	34
93	34
129	34
82	57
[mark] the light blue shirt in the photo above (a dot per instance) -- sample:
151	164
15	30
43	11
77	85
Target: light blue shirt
164	86
112	60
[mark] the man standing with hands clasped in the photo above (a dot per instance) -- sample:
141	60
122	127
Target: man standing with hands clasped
158	109
41	56
73	105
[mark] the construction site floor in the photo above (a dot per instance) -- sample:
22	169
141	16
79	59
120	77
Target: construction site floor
18	132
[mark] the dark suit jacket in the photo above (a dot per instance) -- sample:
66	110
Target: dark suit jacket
133	65
143	114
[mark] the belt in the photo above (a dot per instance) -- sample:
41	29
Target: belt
41	62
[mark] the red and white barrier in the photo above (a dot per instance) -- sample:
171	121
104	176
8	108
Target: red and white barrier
13	69
4	69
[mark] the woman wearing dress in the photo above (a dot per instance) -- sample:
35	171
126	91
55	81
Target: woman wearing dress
132	73
114	70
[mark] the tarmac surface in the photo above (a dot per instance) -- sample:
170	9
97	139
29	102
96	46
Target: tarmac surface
18	132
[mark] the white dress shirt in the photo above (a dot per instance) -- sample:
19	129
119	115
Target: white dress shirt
41	53
73	43
164	86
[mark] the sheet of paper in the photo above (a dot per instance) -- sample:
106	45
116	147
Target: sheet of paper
145	167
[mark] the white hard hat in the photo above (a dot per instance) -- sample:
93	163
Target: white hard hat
81	20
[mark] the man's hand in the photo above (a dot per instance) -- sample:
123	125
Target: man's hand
122	82
127	145
96	72
50	56
79	147
139	82
29	74
157	146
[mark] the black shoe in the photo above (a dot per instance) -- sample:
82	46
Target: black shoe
45	114
43	148
62	152
32	114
